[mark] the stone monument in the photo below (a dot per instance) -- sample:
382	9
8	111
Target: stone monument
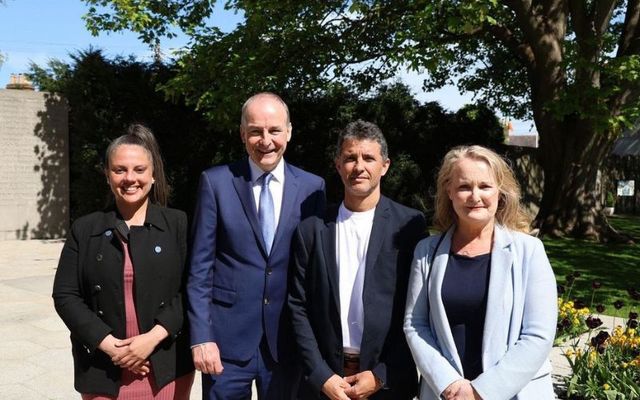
34	163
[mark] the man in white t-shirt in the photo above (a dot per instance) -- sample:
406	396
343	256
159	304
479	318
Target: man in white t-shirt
349	282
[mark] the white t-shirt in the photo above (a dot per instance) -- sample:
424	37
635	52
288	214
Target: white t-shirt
353	230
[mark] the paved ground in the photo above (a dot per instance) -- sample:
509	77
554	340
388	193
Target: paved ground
35	355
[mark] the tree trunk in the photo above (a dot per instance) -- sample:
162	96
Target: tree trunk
570	159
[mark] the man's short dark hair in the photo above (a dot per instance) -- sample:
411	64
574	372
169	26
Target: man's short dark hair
363	130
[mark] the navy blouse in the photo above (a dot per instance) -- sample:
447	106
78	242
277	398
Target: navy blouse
464	294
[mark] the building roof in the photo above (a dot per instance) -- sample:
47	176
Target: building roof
629	143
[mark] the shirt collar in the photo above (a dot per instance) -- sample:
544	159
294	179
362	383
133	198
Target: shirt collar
257	172
153	218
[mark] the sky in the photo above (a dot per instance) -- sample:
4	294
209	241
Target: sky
39	30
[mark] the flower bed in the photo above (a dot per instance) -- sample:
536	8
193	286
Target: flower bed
604	364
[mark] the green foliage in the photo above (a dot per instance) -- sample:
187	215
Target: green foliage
571	65
106	95
300	45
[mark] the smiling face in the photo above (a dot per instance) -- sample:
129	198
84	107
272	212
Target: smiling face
265	131
473	192
361	166
130	176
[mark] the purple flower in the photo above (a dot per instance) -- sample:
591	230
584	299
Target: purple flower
633	293
599	339
560	289
600	308
633	315
593	322
576	274
596	284
618	304
632	324
570	279
579	304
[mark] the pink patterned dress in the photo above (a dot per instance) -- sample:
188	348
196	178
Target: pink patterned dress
136	387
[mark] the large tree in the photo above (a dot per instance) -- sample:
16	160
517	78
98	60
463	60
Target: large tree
572	65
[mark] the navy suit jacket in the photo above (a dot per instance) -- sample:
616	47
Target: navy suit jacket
314	300
236	291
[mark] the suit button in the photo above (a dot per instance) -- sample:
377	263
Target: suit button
161	304
269	271
100	313
266	301
97	288
99	257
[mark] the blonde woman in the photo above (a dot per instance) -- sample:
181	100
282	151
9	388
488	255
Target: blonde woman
481	309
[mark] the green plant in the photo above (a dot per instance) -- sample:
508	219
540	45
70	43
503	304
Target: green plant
607	366
610	200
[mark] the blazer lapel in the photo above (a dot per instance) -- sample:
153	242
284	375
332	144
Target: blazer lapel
375	319
439	318
243	186
329	250
500	295
289	199
377	238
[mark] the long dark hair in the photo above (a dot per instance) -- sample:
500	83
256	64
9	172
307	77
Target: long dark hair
142	136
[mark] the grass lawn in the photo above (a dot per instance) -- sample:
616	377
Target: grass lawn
616	266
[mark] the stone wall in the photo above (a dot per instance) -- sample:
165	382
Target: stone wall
34	165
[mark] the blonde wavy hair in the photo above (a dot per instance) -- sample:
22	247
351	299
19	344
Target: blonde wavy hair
510	212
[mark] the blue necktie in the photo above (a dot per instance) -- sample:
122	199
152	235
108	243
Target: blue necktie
266	214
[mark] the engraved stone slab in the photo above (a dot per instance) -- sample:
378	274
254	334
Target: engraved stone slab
34	165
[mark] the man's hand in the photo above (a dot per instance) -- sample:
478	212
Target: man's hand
363	384
461	390
206	358
335	388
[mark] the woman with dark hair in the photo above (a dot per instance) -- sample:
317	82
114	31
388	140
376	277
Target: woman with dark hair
119	283
482	303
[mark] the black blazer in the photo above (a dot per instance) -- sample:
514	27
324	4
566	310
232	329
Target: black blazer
88	293
314	300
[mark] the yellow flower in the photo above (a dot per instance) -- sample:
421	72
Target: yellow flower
606	386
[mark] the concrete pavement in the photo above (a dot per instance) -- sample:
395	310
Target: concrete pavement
35	353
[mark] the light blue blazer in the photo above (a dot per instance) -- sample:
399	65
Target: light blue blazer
519	328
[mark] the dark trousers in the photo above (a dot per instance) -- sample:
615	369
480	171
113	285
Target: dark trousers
273	380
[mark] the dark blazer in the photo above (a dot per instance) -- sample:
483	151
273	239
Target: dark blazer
314	300
88	293
236	291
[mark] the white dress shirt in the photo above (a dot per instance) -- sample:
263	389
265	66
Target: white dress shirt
276	186
353	230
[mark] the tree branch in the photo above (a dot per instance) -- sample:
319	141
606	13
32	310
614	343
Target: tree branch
629	38
578	10
602	15
506	36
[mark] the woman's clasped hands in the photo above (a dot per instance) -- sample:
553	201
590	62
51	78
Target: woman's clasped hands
461	390
133	353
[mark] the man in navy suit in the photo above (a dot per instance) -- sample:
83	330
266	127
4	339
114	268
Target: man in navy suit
245	217
349	280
